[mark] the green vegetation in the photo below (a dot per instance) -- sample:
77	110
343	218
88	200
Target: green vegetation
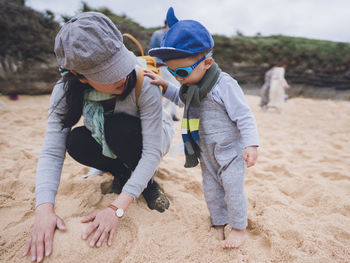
25	33
322	57
312	62
303	55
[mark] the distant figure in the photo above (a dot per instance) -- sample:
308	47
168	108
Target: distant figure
155	42
265	90
277	87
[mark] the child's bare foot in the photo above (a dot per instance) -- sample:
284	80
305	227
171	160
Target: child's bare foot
219	232
235	239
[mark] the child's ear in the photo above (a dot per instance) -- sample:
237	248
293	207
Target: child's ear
208	62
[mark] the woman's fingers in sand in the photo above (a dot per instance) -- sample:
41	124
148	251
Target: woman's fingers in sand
89	218
39	244
89	230
110	238
104	224
28	246
37	250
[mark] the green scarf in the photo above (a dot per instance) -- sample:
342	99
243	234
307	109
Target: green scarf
192	96
94	118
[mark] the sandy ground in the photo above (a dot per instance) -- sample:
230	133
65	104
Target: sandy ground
298	194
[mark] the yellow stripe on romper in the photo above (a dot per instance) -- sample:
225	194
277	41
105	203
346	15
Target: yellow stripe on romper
194	124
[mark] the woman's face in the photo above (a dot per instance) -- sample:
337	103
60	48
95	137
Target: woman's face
112	88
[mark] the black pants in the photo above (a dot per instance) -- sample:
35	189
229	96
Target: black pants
124	138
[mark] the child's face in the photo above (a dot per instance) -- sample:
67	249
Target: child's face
196	75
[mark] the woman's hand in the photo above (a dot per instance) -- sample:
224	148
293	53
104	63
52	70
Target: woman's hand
45	223
105	223
157	80
250	155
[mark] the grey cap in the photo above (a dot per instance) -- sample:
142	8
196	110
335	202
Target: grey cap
91	44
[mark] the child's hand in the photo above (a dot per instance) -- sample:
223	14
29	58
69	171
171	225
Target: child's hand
250	155
157	80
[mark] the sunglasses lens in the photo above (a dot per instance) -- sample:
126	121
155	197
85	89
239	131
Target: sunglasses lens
182	73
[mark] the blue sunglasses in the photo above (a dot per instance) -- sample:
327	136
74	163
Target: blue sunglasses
185	72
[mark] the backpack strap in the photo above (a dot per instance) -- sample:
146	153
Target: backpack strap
139	82
135	41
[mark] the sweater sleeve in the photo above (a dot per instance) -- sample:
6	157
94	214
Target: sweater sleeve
52	153
150	107
172	94
232	98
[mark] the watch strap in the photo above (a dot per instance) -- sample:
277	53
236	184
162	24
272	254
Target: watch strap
113	207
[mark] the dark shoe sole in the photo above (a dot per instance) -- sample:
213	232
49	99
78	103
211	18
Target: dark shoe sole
161	203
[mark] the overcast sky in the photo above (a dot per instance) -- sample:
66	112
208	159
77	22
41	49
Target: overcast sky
316	19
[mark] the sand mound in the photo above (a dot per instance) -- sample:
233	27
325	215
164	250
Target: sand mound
298	194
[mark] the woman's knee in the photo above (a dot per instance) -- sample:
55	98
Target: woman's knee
123	135
80	141
122	124
123	131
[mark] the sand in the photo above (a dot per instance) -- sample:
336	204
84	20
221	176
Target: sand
298	194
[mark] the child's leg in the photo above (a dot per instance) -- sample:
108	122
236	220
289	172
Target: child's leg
220	232
233	183
215	198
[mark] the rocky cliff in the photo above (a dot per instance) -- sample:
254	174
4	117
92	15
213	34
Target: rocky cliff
27	62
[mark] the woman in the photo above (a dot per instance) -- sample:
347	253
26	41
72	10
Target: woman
121	134
277	87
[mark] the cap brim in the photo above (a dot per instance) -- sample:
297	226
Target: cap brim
169	53
116	67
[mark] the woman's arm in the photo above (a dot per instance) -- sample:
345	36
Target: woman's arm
150	108
105	221
53	151
47	180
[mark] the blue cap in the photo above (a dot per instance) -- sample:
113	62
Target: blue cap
184	38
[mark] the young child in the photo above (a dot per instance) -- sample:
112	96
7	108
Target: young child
218	127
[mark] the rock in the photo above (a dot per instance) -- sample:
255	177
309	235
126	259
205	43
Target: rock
27	61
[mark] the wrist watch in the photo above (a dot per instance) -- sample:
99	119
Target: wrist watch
119	212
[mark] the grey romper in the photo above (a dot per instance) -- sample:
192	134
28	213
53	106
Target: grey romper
222	165
226	128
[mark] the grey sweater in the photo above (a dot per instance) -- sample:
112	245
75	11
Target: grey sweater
157	133
229	95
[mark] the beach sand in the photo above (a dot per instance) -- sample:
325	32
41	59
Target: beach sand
298	194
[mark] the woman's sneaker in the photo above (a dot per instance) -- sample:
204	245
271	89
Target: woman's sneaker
155	198
118	183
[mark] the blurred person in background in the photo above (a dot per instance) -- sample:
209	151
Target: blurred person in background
156	40
279	84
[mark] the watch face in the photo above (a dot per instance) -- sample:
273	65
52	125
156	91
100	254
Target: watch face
119	212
